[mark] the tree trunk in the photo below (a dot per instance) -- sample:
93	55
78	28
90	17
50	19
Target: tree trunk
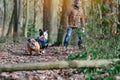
55	65
4	18
10	29
61	30
1	16
27	18
119	12
58	12
15	30
118	25
38	15
46	14
54	22
20	17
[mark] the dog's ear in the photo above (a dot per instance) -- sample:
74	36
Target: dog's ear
36	39
28	40
46	30
40	30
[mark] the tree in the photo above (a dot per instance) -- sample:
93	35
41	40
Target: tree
9	32
20	17
38	15
61	30
15	29
46	14
4	18
55	23
56	65
27	18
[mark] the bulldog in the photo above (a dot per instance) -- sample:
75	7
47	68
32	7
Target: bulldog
43	39
33	45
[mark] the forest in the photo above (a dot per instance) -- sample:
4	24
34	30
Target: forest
21	20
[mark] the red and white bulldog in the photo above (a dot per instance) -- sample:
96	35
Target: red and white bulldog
33	45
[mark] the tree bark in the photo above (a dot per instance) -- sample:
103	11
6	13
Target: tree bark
46	14
53	22
20	17
55	65
38	16
15	30
27	18
4	18
119	12
61	30
10	29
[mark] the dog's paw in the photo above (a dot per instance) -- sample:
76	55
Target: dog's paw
43	51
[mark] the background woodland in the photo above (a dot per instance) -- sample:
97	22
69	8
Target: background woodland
23	18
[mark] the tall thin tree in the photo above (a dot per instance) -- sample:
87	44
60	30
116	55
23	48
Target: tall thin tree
38	16
9	32
27	18
15	29
20	17
4	18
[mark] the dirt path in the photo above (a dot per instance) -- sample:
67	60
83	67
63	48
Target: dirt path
17	54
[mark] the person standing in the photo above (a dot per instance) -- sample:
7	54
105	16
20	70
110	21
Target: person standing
74	19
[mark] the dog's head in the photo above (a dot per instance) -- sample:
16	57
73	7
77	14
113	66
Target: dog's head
43	34
46	34
32	43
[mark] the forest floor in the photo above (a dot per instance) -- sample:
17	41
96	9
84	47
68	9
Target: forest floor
14	54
